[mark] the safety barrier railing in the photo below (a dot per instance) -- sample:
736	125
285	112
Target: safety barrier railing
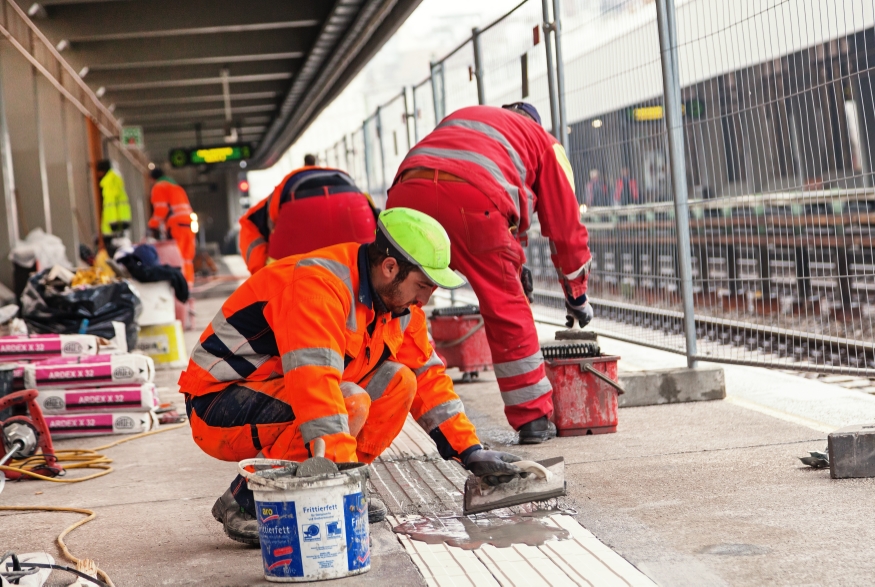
731	221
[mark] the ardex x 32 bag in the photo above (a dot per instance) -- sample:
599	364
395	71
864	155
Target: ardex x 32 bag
115	370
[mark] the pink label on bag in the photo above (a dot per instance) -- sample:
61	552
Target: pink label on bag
117	398
29	346
77	373
93	423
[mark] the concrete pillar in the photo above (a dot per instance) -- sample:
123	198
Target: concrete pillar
52	141
79	170
21	118
9	209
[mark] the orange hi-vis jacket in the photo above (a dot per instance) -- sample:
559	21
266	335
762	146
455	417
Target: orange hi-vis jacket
311	319
170	205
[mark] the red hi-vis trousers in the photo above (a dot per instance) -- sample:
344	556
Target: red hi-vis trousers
487	254
251	417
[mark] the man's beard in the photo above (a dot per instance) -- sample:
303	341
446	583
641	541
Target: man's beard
391	296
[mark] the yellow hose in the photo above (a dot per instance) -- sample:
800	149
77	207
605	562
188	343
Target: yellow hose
61	544
78	458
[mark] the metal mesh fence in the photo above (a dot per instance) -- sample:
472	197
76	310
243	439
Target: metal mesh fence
396	138
514	67
423	109
356	165
778	117
458	80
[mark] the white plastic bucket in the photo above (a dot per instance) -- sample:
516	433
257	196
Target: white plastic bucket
311	528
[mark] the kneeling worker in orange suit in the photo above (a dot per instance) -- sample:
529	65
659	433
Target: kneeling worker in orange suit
331	344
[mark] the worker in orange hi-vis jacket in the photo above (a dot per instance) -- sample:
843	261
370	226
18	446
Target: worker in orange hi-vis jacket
331	344
171	217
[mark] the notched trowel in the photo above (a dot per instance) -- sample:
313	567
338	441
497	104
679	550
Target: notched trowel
546	480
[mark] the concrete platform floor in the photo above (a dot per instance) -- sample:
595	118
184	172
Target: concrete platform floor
692	494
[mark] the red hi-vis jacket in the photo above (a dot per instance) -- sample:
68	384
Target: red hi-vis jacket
310	216
170	205
521	168
306	318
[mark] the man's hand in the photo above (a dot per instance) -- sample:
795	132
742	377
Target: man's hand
528	284
493	466
578	309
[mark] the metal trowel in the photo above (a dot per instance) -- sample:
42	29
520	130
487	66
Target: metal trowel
317	464
546	480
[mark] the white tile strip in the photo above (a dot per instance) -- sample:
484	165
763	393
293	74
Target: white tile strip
582	560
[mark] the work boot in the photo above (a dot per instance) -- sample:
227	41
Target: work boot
376	510
239	525
537	431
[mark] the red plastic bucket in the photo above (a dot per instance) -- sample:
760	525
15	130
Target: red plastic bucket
583	402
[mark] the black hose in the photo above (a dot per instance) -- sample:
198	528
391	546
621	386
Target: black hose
57	567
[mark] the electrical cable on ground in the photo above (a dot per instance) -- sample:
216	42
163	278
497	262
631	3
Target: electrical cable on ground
80	459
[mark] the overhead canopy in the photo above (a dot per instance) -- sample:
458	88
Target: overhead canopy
169	65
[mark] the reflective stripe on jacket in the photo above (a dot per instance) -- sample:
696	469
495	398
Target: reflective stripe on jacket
519	167
306	318
170	205
116	207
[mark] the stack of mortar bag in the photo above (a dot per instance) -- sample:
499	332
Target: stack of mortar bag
87	385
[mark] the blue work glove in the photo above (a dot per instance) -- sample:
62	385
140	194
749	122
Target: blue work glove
577	309
493	466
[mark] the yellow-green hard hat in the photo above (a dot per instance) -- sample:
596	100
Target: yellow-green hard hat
422	241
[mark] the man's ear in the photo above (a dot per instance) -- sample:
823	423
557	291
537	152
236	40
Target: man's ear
389	268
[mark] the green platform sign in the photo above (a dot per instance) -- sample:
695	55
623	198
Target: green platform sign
132	137
210	155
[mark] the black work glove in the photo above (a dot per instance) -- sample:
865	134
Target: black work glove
493	466
577	309
528	284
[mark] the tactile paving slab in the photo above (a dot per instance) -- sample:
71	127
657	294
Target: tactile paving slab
413	442
580	561
412	479
415	486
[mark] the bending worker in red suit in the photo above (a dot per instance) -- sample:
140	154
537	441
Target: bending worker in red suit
483	173
311	208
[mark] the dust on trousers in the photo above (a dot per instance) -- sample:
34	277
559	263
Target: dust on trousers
485	251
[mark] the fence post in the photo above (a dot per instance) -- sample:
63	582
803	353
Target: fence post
674	122
560	73
407	118
551	73
478	66
438	92
415	116
367	144
382	148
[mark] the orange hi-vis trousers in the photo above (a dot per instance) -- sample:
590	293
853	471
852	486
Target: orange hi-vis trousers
246	420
